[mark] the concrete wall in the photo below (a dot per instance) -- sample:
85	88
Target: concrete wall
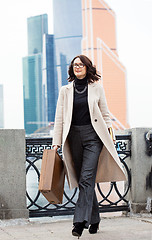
140	164
12	174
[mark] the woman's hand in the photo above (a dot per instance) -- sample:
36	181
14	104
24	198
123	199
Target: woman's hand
55	147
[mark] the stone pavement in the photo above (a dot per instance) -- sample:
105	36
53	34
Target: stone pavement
113	228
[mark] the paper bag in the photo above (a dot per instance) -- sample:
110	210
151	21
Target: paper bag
52	176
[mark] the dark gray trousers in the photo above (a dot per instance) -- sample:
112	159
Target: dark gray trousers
85	146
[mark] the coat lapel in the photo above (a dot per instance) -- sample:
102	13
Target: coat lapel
70	100
90	94
69	108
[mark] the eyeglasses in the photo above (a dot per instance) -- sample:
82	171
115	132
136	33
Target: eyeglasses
75	65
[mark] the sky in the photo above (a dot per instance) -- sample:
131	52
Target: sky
134	45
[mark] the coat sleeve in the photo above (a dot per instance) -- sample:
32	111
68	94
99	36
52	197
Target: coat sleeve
58	124
105	112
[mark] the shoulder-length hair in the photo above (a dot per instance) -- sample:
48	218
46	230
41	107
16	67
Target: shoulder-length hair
92	74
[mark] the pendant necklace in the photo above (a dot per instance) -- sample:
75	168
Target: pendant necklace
79	92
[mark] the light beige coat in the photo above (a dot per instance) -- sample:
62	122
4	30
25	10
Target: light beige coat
109	165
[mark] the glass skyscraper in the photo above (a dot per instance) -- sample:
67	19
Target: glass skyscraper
67	21
49	84
38	75
1	107
36	27
32	87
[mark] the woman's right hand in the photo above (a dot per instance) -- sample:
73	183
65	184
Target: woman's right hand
55	147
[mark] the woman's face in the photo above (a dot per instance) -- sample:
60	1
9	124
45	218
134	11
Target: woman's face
79	69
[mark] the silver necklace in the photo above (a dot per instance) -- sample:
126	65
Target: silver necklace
79	92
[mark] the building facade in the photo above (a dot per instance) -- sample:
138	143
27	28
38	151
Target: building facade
50	87
67	20
36	27
1	107
32	89
99	43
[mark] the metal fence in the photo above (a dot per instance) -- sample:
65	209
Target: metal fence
111	196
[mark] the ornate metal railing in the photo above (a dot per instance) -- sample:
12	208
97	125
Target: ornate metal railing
112	196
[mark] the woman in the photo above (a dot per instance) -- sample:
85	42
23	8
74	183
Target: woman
82	126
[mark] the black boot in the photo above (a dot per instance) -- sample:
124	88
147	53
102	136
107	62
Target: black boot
78	229
94	228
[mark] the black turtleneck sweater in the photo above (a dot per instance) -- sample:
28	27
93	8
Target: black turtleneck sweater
81	115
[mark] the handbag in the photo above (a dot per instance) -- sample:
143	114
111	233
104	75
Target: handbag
52	176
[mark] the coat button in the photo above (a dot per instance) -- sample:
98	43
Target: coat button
95	120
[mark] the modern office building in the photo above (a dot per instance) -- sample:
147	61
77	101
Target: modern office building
1	107
38	75
50	86
32	89
36	27
68	31
88	27
99	43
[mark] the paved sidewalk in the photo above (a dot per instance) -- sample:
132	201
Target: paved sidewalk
114	228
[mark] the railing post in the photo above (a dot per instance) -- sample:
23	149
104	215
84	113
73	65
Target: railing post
141	165
12	174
